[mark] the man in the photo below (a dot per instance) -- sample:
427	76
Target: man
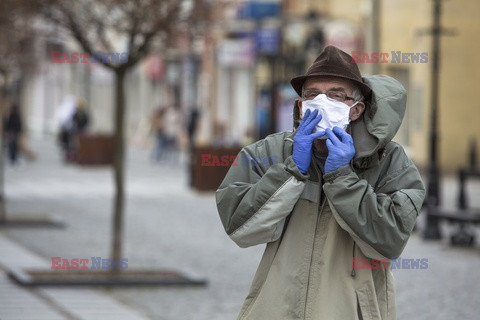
333	198
13	131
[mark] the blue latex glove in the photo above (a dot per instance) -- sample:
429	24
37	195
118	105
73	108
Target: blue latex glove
303	140
340	149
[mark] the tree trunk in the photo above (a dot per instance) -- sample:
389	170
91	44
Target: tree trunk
3	100
119	166
3	214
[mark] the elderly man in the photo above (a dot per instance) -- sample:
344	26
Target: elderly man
340	201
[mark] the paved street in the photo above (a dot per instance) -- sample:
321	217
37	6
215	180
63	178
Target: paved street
169	226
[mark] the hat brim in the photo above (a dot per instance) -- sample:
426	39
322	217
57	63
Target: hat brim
298	82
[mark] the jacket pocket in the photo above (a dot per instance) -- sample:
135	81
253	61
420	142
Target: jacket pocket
367	304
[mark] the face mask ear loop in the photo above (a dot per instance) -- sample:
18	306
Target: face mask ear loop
353	105
350	107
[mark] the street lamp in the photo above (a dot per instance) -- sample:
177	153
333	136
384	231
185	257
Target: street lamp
432	230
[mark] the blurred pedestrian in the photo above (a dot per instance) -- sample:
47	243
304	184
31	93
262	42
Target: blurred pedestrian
80	122
334	202
158	128
80	119
263	111
13	130
192	123
174	133
169	131
65	134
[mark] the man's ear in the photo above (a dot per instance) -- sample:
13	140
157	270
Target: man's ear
356	111
297	112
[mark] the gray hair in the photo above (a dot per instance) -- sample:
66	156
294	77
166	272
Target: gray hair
357	95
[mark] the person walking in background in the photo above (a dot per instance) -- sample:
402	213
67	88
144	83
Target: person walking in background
174	134
13	130
169	129
158	128
80	119
67	110
80	122
192	124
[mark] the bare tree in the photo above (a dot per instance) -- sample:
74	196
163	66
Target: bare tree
139	26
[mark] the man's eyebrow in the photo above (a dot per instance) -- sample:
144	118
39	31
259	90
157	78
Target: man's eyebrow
331	89
337	89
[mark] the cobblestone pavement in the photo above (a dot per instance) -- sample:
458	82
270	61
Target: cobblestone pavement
169	226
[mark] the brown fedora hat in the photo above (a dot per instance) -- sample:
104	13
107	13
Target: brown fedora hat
333	62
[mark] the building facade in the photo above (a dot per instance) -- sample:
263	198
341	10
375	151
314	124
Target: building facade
237	71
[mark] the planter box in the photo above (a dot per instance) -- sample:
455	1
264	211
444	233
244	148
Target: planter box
95	150
210	165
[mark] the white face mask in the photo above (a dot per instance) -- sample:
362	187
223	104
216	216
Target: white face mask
334	113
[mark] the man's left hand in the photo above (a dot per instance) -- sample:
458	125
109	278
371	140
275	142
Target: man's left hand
340	149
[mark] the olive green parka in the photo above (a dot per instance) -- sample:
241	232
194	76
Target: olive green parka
314	224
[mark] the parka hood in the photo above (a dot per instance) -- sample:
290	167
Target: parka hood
380	121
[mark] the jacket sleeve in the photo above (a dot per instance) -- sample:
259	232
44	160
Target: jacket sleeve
379	217
255	197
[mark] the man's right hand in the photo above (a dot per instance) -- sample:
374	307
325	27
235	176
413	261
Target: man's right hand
303	140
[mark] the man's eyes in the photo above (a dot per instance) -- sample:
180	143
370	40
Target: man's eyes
335	95
330	94
313	94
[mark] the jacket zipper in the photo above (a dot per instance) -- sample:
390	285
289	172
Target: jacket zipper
353	273
314	236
